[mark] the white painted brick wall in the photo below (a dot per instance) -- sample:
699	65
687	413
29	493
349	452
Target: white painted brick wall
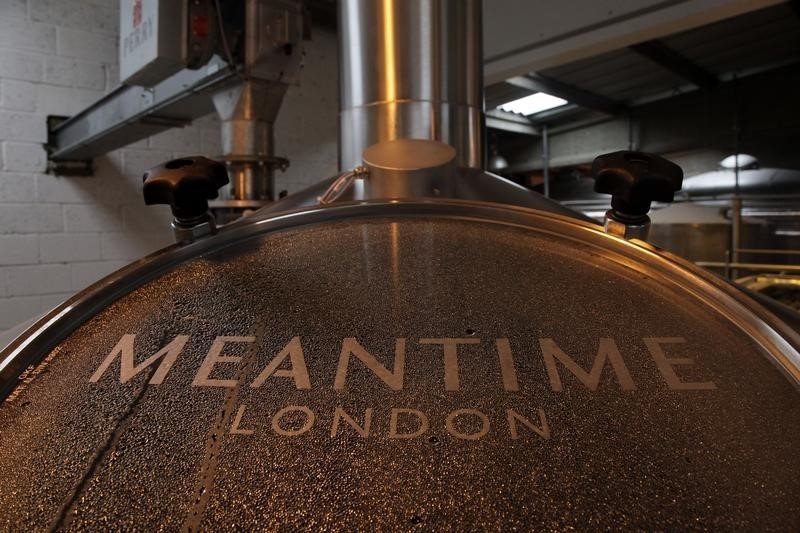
38	279
86	45
74	73
24	156
86	273
13	310
27	36
17	65
307	128
69	247
22	127
19	250
18	95
13	10
60	234
56	58
84	217
17	187
30	218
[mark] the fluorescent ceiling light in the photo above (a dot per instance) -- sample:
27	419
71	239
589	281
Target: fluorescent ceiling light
533	103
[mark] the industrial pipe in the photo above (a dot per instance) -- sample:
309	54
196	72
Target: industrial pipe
424	82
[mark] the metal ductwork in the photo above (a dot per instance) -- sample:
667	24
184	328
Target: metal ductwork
247	113
238	57
272	55
411	69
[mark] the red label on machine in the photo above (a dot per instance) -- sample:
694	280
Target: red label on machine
137	13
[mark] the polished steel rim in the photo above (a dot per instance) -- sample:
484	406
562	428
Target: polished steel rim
767	331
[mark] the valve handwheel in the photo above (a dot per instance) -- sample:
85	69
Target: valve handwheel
634	180
186	185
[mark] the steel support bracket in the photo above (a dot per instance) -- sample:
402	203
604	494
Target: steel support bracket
67	167
64	167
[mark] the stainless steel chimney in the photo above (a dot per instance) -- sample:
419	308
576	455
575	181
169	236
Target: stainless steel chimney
411	69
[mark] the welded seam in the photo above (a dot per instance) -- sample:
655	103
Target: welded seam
208	468
68	509
28	375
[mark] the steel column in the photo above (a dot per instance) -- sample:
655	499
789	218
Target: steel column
411	69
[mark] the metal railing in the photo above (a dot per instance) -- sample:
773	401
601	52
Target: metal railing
731	267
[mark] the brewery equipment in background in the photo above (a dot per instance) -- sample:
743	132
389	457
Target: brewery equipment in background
181	60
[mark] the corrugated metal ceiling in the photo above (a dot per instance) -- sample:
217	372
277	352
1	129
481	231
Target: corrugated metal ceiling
754	41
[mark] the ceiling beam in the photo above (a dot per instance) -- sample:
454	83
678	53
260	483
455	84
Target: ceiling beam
505	121
502	93
666	57
575	95
683	123
587	28
556	114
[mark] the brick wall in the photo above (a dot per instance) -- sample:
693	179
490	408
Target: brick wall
307	129
60	234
